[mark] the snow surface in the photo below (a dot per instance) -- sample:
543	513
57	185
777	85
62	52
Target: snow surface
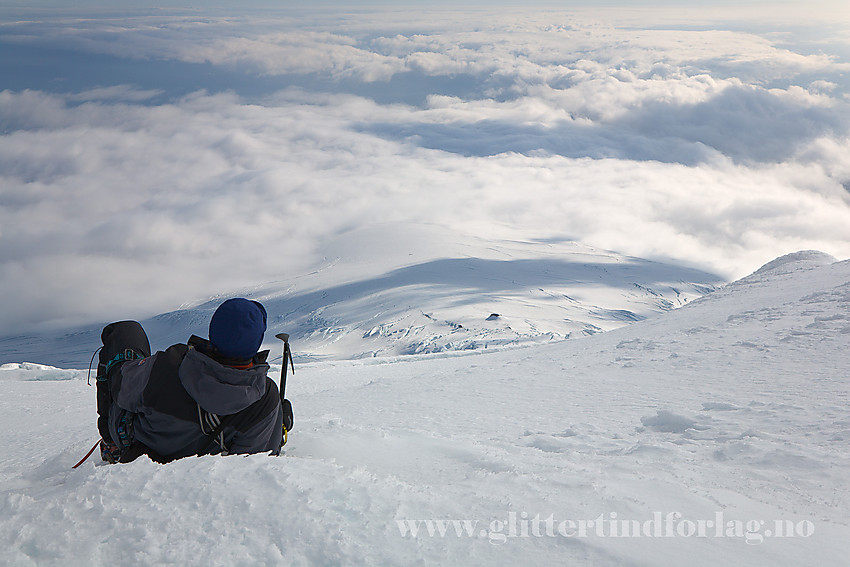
733	408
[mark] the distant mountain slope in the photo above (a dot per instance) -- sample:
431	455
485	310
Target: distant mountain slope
398	289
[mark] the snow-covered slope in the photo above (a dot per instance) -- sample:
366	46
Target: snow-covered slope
695	437
393	289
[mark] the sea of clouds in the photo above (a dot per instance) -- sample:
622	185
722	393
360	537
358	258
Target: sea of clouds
162	156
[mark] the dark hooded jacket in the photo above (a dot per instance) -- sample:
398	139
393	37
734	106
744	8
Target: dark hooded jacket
175	398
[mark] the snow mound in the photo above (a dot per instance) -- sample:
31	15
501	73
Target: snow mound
670	422
37	372
802	260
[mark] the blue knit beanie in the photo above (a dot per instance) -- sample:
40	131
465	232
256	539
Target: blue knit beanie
237	327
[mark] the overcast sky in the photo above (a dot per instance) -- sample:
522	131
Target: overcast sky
162	156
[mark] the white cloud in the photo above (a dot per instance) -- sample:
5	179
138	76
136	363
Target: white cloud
538	45
662	144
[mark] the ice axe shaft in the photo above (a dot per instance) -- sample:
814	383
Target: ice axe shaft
287	357
286	407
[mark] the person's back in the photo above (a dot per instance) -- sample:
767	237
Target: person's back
203	397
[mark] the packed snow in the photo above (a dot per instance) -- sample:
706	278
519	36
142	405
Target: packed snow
712	434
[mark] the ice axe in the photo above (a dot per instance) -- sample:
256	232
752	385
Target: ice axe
284	403
287	356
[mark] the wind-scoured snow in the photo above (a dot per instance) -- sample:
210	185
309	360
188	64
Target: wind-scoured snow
697	436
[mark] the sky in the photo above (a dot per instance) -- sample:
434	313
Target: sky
157	155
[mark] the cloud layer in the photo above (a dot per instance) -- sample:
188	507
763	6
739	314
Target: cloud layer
717	149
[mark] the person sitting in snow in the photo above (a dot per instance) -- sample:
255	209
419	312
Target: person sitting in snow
203	397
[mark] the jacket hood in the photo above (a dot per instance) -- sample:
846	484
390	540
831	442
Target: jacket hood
220	389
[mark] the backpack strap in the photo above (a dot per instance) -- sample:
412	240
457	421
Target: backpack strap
216	432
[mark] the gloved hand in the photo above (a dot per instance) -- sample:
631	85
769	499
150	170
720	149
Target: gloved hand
109	452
